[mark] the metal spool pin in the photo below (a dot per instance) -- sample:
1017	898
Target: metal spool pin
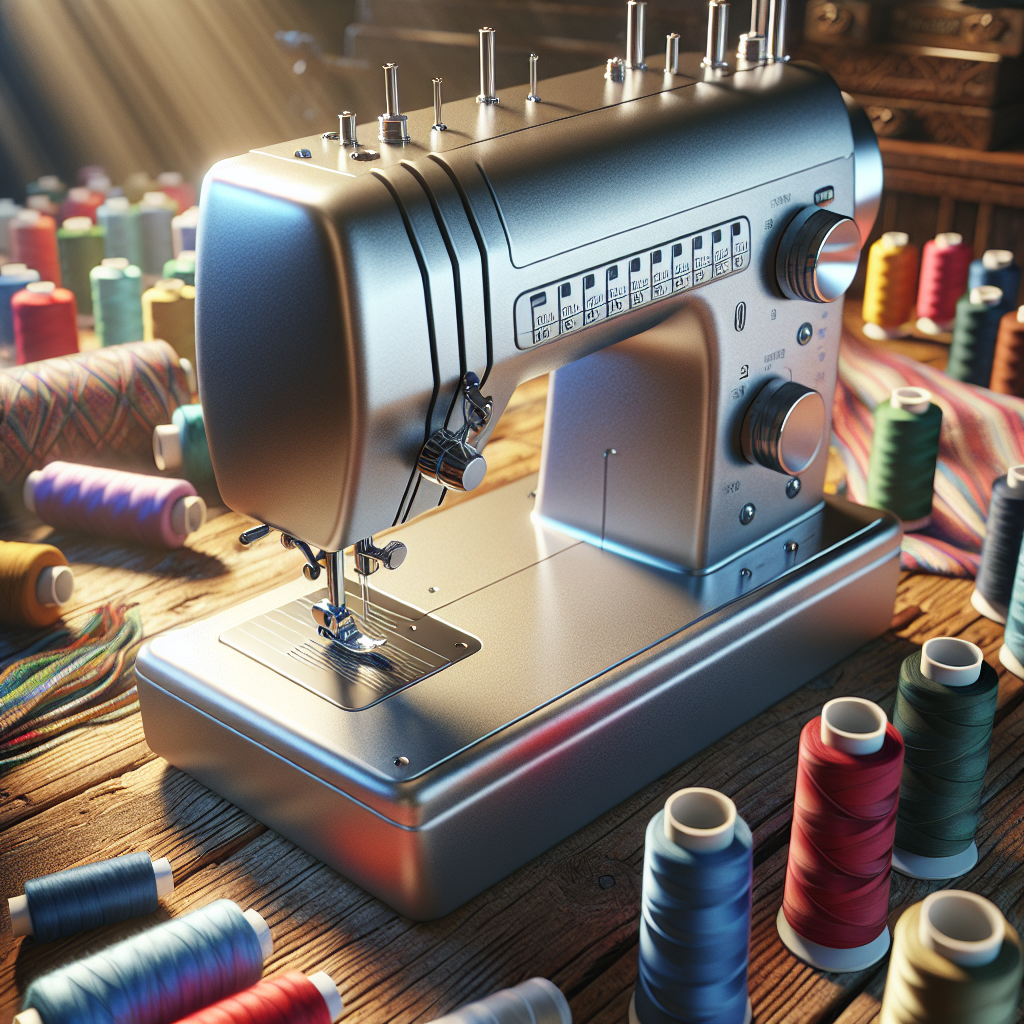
636	27
393	124
718	32
488	80
438	125
533	97
672	53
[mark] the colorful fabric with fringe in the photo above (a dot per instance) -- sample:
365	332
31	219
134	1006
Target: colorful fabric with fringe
982	434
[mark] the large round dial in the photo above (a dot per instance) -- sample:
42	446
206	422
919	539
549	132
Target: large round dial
818	255
784	427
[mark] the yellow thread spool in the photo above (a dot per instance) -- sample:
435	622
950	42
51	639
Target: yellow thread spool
890	287
34	582
169	314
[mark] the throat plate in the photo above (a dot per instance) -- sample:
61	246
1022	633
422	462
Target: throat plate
286	640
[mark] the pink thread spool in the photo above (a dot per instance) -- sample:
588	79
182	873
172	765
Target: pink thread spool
112	503
945	262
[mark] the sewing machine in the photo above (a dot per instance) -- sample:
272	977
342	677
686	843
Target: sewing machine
671	242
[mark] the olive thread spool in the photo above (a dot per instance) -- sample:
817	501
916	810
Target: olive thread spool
13	278
944	265
45	322
181	447
9	209
536	1000
120	222
155	214
1008	360
34	243
291	996
117	301
955	960
996	267
81	246
975	327
81	202
695	912
183	267
90	896
183	230
945	709
35	582
1000	550
169	313
904	454
890	287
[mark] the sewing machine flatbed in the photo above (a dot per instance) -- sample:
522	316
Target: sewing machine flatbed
586	675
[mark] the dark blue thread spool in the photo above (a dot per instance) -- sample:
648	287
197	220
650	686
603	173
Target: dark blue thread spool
1000	551
997	267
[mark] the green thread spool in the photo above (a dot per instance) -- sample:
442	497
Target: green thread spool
183	267
120	220
181	448
945	708
117	301
81	247
974	335
155	214
904	453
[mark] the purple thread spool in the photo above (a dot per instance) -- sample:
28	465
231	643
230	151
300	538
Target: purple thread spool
112	503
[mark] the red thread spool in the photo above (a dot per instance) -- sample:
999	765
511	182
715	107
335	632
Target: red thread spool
844	822
45	322
945	262
81	202
290	998
1008	361
34	243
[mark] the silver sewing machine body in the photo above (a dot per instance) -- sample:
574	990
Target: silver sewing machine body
672	245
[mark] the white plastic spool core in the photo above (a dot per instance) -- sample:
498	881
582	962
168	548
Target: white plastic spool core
117	204
947	239
879	333
324	984
931	869
170	284
188	514
41	287
28	1017
167	451
49	183
55	585
1015	475
28	490
78	194
986	295
951	661
914	400
895	239
997	259
700	819
169	178
1010	660
77	224
962	927
157	199
853	725
1020	314
164	877
9	269
190	374
827	958
28	216
21	919
262	930
926	325
115	262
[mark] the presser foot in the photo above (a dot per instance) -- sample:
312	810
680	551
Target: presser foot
339	626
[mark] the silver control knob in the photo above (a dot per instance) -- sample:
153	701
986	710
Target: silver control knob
447	459
818	255
784	427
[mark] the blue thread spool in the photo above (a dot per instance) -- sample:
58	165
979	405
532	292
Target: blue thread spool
117	301
181	448
156	211
1000	551
90	896
695	913
537	1001
120	220
13	277
183	231
158	976
997	267
183	267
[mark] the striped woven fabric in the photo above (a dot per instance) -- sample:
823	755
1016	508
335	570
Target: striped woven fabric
982	434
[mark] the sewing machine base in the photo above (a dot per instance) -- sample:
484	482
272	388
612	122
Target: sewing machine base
595	675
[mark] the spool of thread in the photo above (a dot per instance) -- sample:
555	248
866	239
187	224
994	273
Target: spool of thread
945	709
81	202
45	322
1008	361
35	582
90	171
81	245
997	267
98	407
1000	550
183	230
156	211
183	267
536	1000
34	243
180	447
955	960
890	287
290	998
48	185
112	503
9	209
174	186
944	265
13	278
169	312
120	220
904	453
695	913
974	335
67	902
160	975
117	301
844	819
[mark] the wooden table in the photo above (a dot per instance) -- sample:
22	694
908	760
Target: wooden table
570	915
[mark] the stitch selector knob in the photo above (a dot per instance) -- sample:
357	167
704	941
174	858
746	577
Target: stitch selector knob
784	427
818	255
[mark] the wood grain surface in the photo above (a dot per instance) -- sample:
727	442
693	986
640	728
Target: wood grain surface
571	914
